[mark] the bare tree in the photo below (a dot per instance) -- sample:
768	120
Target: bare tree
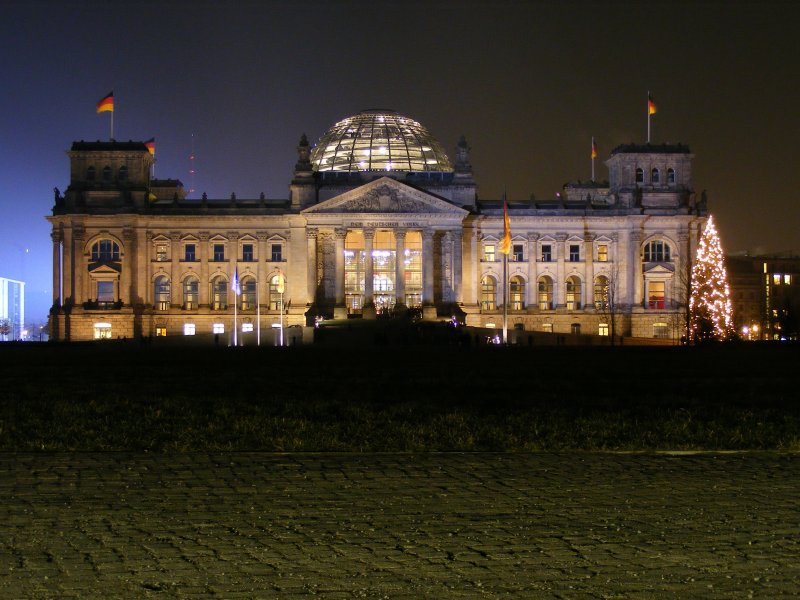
606	297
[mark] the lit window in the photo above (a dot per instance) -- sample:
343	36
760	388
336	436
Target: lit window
247	327
488	293
248	296
189	253
219	252
547	253
219	294
573	293
190	293
655	176
545	293
277	253
776	278
574	252
188	329
517	292
162	290
655	295
517	253
247	252
547	327
218	328
601	292
787	279
602	329
656	251
105	250
602	253
660	330
489	252
161	332
639	176
275	293
102	331
161	252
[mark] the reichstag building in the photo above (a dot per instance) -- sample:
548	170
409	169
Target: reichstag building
379	221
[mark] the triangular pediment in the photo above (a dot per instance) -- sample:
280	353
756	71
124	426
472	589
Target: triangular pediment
659	268
385	195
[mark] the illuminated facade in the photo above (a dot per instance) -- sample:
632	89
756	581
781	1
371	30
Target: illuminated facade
378	221
12	309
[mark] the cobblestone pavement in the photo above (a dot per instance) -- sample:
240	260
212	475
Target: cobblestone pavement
121	525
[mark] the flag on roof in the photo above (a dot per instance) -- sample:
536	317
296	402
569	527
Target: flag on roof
151	145
651	105
594	149
106	103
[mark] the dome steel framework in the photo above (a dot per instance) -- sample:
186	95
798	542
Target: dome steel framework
379	140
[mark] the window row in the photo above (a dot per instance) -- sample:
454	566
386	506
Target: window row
491	253
655	175
544	293
220	293
218	252
107	174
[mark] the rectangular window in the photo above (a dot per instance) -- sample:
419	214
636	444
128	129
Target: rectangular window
660	331
161	252
277	253
189	253
787	279
102	331
655	295
547	327
105	291
517	253
776	278
602	253
602	329
574	252
247	327
161	332
547	253
219	252
218	328
188	329
247	252
489	252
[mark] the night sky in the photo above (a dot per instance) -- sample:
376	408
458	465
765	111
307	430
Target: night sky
527	83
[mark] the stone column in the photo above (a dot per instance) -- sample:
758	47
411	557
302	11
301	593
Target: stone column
531	290
203	284
79	294
369	271
175	274
262	284
635	277
428	304
311	251
55	235
458	269
588	256
559	287
68	266
400	269
339	310
128	261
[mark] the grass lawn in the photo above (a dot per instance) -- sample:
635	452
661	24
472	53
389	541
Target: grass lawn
123	396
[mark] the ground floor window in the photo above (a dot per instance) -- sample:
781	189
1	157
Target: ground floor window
575	328
602	329
218	328
188	329
161	331
102	331
247	327
660	330
547	327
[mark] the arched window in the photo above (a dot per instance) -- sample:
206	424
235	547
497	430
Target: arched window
190	293
105	251
655	176
123	173
573	293
275	300
488	293
91	172
656	251
161	289
248	297
601	292
106	173
219	294
639	175
517	290
670	175
545	285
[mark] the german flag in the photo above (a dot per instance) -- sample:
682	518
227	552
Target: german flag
505	243
651	105
106	103
151	145
594	149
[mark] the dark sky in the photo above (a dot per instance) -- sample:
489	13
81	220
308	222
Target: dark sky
528	84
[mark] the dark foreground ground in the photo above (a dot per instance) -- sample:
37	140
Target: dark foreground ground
119	396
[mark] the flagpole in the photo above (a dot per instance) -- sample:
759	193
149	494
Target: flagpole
235	319
112	126
505	299
258	317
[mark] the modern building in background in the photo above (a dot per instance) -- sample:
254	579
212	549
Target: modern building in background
12	309
765	293
378	221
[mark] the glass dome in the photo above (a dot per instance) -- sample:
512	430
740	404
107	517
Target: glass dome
379	140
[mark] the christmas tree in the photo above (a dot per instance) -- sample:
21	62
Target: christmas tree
710	302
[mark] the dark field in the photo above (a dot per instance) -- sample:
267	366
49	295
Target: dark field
118	396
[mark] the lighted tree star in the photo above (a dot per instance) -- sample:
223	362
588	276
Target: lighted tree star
710	302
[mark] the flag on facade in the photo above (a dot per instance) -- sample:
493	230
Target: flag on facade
237	289
106	103
651	105
594	149
505	243
151	145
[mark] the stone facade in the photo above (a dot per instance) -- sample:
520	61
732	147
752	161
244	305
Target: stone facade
133	257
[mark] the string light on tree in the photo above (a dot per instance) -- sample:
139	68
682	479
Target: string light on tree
710	302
